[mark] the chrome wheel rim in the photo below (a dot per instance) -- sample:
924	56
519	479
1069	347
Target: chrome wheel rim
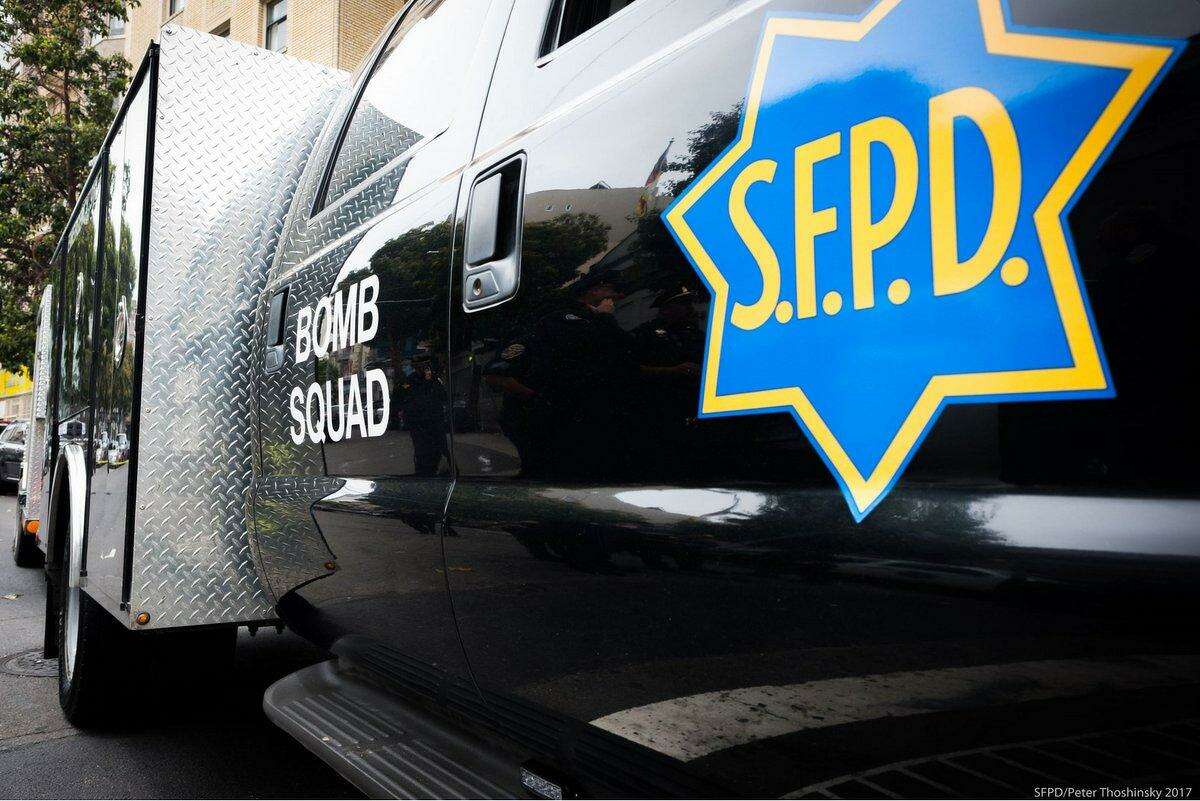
70	627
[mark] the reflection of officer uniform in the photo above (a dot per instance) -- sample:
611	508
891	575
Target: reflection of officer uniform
669	404
425	414
579	364
663	343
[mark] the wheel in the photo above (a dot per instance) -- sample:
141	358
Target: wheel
24	548
100	662
92	649
200	660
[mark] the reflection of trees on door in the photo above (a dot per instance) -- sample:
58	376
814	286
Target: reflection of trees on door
414	269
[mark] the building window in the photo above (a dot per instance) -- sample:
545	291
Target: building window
222	29
277	32
175	6
116	27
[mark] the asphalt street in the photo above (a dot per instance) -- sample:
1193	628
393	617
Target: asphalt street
220	747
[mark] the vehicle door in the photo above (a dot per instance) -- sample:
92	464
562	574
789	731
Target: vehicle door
355	464
652	590
77	267
76	306
116	353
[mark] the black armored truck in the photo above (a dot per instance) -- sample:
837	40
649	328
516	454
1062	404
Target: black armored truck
653	398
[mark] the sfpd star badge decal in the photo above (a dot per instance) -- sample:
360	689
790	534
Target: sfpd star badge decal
887	233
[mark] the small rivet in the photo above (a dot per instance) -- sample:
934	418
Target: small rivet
142	618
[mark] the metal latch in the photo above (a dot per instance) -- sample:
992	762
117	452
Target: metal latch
492	251
276	322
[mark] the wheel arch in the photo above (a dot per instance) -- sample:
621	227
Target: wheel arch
65	525
65	511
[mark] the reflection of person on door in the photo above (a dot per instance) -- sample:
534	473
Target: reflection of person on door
425	414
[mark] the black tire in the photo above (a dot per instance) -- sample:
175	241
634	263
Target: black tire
24	549
101	693
201	660
90	695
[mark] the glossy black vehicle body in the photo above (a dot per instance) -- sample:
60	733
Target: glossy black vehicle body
646	602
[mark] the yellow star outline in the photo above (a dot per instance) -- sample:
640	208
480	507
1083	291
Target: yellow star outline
1143	61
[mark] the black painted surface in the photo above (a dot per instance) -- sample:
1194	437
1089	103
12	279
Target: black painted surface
604	549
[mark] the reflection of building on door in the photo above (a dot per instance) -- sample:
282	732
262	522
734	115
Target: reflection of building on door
618	208
16	393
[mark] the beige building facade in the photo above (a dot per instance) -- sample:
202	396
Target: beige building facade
16	394
337	33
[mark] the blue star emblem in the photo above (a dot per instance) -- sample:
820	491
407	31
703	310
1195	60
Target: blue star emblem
887	233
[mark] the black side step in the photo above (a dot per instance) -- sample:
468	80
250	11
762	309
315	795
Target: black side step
385	747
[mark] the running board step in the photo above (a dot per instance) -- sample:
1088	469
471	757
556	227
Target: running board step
383	746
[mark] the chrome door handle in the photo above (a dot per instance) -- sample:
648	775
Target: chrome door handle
492	251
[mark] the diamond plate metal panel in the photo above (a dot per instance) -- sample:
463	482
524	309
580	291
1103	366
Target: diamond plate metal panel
290	478
235	128
372	142
41	363
292	549
35	441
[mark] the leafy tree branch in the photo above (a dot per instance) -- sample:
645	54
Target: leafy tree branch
58	96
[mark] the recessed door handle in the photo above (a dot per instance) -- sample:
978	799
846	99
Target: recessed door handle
276	320
483	235
492	251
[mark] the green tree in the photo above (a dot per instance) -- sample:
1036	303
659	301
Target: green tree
58	96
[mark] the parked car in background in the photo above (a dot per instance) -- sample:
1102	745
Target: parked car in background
12	451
